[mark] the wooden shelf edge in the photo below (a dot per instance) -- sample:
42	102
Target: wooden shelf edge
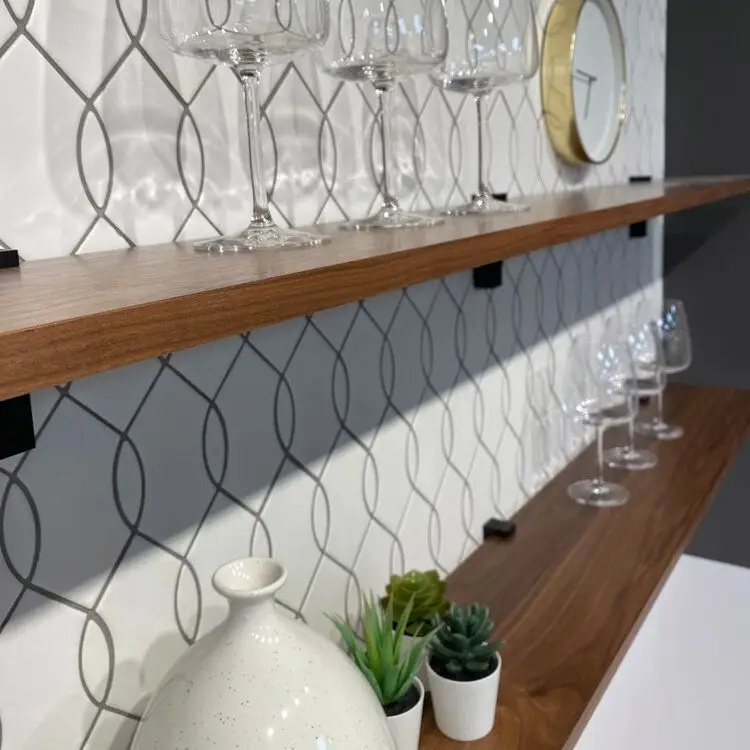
570	592
67	318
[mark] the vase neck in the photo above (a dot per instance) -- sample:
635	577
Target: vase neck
253	608
250	585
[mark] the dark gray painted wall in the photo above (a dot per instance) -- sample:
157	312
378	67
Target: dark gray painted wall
708	132
708	110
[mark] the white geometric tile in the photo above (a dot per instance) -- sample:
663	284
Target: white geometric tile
44	205
85	39
288	520
208	373
146	635
64	471
44	705
7	27
345	513
132	383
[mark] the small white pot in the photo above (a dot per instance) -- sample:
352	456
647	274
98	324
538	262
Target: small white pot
465	711
422	673
405	728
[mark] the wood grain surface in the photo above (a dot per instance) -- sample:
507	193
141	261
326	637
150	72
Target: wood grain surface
570	591
64	318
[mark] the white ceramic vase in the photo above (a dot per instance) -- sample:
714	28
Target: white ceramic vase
262	680
465	711
405	728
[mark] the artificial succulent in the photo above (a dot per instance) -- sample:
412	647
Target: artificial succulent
425	591
388	667
461	648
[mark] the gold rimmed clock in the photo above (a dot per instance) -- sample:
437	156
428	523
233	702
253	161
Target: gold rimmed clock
584	80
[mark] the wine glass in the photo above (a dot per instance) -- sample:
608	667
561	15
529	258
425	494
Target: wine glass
649	380
491	45
380	42
673	337
600	400
248	35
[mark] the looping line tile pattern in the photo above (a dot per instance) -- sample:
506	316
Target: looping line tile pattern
354	443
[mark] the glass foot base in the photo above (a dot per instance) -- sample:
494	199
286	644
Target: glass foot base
485	204
598	494
255	238
392	218
660	430
630	459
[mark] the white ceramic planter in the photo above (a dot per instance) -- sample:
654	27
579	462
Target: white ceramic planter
261	680
405	728
465	711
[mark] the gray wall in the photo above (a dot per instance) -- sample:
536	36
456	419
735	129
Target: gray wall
708	65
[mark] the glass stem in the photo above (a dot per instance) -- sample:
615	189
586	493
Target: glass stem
251	88
635	407
384	93
484	191
660	407
600	454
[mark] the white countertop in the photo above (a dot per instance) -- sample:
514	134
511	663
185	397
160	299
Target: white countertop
685	682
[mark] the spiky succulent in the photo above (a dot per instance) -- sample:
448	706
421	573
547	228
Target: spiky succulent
425	591
389	668
461	648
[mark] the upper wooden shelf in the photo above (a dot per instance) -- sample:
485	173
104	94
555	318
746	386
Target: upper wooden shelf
569	592
64	318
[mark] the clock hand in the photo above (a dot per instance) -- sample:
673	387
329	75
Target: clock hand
589	80
587	76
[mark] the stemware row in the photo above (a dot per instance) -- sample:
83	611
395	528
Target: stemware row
626	369
470	47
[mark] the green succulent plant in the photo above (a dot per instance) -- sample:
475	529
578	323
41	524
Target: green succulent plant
425	591
389	668
461	649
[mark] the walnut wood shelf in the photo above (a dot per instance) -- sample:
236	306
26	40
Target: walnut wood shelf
65	318
570	590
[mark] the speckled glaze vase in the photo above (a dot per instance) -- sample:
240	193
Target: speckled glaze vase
262	680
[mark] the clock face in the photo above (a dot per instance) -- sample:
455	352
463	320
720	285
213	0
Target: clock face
598	73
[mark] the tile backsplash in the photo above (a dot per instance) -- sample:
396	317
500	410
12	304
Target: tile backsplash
369	439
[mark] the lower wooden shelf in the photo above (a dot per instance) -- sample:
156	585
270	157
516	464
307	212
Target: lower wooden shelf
570	590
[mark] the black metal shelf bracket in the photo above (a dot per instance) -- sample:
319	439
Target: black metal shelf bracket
9	259
639	229
16	419
500	528
491	275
